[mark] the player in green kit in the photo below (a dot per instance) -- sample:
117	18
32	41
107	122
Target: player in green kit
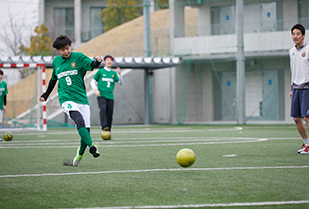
3	93
69	69
103	84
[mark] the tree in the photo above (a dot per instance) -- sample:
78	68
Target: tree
13	35
162	4
120	11
40	43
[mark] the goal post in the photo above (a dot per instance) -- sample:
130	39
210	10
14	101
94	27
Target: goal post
24	110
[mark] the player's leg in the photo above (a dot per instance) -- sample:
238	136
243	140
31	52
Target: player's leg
297	117
1	116
83	145
81	128
304	103
85	112
79	121
73	110
102	106
109	113
300	127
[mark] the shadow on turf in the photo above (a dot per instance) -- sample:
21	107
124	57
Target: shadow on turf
67	162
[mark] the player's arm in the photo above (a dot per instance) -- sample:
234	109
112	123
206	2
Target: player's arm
94	86
291	92
50	88
120	81
96	62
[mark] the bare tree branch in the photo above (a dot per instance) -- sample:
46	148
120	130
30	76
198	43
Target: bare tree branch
13	36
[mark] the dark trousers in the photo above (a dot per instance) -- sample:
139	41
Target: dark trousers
106	107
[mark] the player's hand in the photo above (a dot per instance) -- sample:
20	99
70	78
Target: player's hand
98	58
118	70
290	94
4	108
42	99
97	92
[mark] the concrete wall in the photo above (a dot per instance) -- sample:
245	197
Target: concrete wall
264	42
162	96
276	44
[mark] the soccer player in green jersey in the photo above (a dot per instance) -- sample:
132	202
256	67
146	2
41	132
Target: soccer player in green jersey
103	84
69	69
3	93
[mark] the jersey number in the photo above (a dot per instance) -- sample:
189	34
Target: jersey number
68	80
108	84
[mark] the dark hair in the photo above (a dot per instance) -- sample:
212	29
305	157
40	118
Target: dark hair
108	56
299	27
1	72
61	41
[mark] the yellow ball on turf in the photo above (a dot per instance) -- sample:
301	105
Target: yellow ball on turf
106	135
185	157
8	136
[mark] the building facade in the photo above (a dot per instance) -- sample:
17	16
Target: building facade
208	90
203	89
79	19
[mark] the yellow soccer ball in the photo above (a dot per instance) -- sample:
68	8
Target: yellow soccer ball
106	135
8	136
185	157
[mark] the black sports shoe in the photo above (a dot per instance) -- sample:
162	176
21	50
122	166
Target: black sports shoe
94	150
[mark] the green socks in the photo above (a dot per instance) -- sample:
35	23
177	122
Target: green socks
82	148
85	137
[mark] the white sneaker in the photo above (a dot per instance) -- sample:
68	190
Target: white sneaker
302	148
305	150
77	158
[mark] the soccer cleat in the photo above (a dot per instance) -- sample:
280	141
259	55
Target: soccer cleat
77	160
106	129
94	150
0	139
305	150
302	148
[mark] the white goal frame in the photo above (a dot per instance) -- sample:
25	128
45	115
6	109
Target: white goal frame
41	67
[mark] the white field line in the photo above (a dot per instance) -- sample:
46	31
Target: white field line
235	204
128	131
135	145
137	140
153	170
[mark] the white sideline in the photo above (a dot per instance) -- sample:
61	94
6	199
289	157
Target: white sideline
207	205
152	170
132	145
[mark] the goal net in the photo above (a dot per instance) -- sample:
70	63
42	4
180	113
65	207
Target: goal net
25	82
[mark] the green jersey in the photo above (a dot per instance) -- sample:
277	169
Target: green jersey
70	74
106	82
3	92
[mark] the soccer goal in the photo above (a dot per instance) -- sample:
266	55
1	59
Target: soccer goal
26	82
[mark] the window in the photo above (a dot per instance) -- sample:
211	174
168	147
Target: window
96	23
223	20
64	21
303	12
258	17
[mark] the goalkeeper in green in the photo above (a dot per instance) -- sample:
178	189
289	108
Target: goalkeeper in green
69	69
